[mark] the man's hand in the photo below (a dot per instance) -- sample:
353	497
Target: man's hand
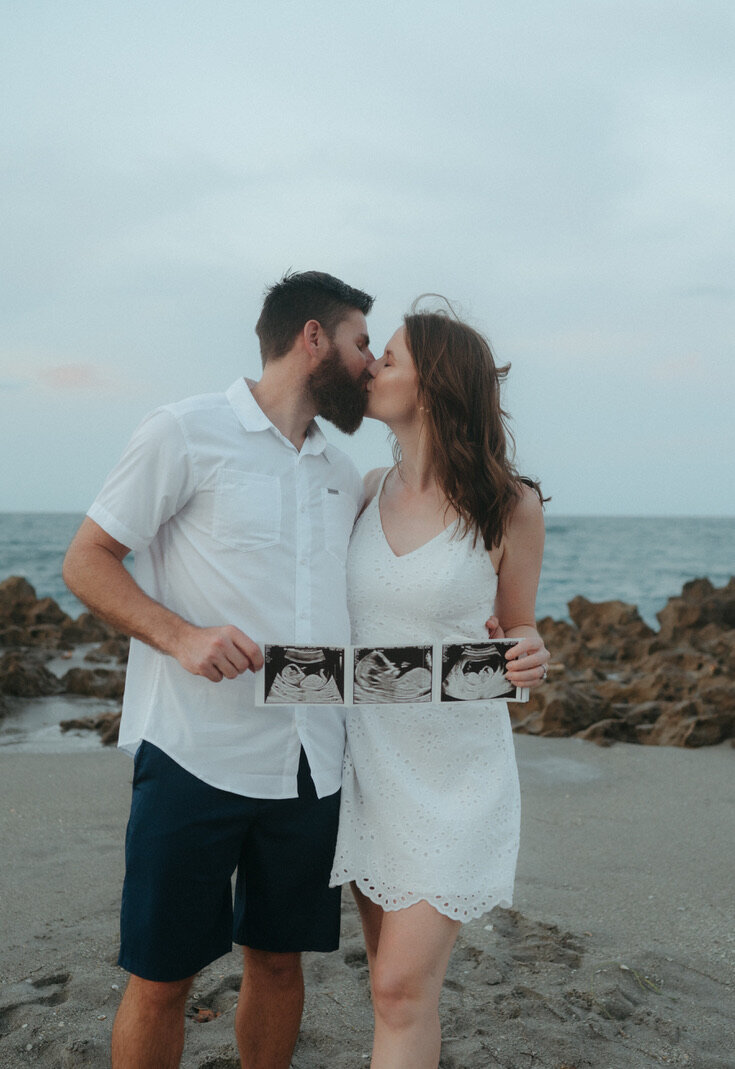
216	652
494	630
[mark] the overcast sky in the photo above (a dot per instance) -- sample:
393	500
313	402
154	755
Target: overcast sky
563	170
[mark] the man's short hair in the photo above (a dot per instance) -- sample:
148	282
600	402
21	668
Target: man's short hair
296	299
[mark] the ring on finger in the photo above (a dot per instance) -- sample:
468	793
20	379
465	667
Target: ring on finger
544	671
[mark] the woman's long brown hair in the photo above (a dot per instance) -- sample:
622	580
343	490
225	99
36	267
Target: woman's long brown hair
471	446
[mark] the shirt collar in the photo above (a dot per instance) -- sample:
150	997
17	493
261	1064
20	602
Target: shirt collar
253	418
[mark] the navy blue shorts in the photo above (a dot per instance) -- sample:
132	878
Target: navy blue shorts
185	839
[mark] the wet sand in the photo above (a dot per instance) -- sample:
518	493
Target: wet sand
619	952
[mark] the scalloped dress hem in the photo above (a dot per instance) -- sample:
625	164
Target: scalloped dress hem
462	908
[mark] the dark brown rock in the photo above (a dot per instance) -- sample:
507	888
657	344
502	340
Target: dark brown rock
111	730
107	725
16	595
688	724
699	605
47	636
559	709
564	639
612	678
14	636
45	611
639	715
612	630
113	649
86	628
94	682
606	732
20	608
720	645
718	696
23	678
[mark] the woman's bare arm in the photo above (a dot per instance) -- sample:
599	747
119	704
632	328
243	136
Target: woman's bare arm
515	601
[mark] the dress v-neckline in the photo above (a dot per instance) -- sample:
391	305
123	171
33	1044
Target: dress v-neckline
411	552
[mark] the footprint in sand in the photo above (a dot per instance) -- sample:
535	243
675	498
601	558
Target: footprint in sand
220	1060
356	958
214	1000
17	999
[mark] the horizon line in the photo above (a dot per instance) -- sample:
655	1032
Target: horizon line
549	515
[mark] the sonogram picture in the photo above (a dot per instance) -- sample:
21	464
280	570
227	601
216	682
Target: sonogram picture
386	675
303	675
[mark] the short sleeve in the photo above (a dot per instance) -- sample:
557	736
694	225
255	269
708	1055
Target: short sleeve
151	482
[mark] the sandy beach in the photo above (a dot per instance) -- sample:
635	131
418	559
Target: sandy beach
619	952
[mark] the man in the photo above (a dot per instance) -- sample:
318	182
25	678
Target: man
239	513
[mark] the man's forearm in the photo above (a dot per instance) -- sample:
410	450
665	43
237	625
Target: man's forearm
102	582
94	571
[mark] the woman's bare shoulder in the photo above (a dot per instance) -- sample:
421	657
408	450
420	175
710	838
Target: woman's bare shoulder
529	505
526	521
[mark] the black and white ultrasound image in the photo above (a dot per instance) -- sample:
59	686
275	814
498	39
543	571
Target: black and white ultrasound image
304	675
392	674
475	671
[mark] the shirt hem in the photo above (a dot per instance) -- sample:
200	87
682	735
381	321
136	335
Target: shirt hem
260	785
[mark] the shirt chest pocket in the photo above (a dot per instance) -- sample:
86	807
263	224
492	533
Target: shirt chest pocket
247	509
338	511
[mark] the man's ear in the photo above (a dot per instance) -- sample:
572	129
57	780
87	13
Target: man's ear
314	338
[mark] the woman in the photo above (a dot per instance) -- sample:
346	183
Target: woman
430	804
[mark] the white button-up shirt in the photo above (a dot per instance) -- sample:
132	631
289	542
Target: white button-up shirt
231	524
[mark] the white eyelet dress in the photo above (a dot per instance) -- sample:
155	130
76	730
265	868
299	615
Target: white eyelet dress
430	799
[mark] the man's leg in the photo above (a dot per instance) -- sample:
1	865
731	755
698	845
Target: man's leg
283	905
149	1027
269	1009
183	844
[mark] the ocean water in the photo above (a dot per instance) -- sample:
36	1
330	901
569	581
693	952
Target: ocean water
642	560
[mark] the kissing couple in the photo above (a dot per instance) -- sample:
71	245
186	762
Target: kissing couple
248	527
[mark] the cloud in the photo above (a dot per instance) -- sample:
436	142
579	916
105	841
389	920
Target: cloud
38	367
73	377
690	366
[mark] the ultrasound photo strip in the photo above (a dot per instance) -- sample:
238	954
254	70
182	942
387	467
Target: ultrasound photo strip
385	675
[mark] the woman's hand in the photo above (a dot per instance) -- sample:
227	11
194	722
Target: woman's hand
494	630
526	662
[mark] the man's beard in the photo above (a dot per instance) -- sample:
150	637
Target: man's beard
338	397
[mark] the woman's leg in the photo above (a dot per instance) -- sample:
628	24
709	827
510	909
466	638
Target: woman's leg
407	973
371	916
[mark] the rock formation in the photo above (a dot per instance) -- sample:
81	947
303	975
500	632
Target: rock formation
611	676
33	631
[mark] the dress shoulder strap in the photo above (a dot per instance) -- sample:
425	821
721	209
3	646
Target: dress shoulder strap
383	477
379	490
